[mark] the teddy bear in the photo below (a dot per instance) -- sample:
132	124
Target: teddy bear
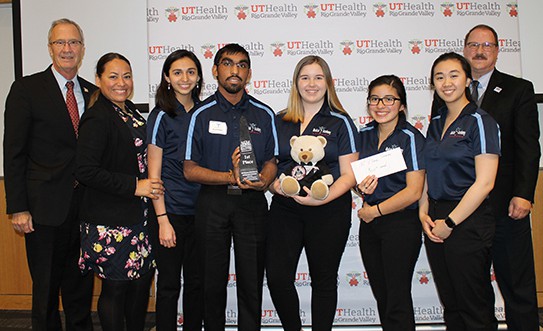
309	170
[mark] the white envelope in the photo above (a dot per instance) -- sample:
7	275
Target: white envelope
380	165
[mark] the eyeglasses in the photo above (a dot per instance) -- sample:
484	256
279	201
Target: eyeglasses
62	43
387	101
486	45
239	65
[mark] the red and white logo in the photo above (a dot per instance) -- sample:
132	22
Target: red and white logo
512	9
424	276
347	47
208	51
414	46
172	13
311	10
447	9
278	48
379	9
241	12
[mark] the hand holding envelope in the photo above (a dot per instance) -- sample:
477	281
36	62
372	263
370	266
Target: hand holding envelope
380	165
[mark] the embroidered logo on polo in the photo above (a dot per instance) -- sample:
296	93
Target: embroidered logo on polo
254	129
457	133
393	146
321	131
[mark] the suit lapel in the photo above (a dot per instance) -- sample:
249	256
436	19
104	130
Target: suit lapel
85	90
494	87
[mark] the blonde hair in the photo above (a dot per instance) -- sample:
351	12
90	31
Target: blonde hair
295	109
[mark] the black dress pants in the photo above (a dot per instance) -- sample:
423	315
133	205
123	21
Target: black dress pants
461	269
513	259
220	220
170	263
53	253
390	247
323	232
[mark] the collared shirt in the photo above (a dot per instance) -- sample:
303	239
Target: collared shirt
337	128
483	83
61	80
213	132
409	140
450	162
170	134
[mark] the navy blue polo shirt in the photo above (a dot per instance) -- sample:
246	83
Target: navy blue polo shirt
409	140
337	128
170	133
213	133
450	162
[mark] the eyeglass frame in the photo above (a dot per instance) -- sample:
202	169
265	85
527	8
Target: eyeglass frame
61	43
229	63
473	45
382	100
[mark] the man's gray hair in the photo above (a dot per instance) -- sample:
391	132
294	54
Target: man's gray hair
65	21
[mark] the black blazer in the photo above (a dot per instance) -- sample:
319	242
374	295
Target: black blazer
511	102
39	148
107	167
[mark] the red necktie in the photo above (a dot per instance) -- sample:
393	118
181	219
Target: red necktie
71	104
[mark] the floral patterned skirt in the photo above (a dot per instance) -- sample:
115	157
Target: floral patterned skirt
116	252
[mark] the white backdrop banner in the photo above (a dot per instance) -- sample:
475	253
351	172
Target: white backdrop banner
360	40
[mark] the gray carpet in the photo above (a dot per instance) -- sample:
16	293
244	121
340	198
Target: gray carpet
16	320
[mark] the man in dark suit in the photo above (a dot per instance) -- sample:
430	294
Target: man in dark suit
511	101
40	135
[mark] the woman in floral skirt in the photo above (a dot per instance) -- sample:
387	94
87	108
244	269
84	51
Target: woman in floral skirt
112	170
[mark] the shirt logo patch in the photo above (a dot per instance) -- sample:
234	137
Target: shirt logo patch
457	133
321	131
254	129
298	172
393	146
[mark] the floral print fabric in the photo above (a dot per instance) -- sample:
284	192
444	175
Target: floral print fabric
117	253
121	252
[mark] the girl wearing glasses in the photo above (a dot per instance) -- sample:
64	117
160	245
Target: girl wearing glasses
390	231
461	155
321	227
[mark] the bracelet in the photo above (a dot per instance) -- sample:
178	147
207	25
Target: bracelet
157	216
358	191
379	210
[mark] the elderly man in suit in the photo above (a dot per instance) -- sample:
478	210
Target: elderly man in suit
41	121
511	101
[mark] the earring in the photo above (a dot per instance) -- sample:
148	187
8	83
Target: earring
197	85
169	86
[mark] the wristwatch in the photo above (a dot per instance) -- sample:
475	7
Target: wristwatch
450	223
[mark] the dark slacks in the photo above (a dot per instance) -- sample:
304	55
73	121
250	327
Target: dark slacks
323	232
513	258
461	269
52	253
390	247
170	262
221	219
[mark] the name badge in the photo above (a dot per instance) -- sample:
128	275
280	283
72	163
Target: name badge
216	127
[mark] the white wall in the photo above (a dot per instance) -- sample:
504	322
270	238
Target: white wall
531	40
108	26
7	73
